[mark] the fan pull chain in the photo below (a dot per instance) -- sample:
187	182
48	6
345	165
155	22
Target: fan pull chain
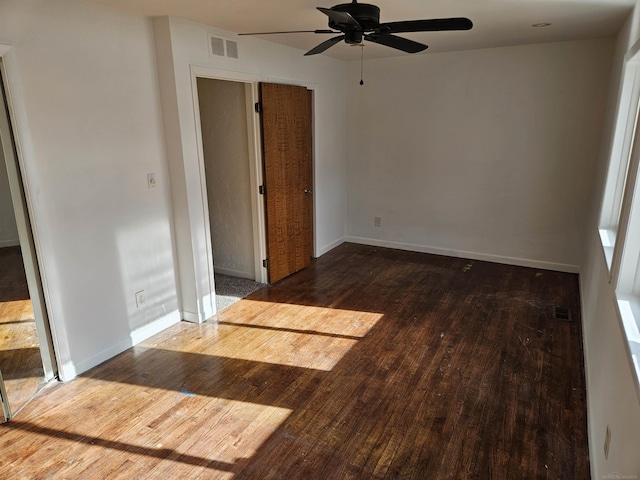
361	64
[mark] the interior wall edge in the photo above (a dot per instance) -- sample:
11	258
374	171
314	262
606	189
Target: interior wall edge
15	99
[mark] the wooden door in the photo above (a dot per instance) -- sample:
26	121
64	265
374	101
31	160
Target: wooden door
286	140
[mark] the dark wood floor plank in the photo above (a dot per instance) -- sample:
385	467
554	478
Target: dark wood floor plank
371	363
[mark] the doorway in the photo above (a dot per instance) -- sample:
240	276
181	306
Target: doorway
225	132
26	350
229	131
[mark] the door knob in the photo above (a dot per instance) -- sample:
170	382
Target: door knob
307	191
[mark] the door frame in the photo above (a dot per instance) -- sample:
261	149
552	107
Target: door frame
255	159
27	235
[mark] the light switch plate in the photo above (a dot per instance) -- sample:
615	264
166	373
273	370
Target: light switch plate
151	180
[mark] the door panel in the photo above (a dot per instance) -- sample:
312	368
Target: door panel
286	138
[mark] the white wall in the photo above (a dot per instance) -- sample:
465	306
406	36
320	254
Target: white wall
8	227
83	82
611	396
182	46
85	87
223	120
487	154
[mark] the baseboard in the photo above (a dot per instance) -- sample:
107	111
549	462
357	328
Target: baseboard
67	371
234	273
207	309
521	262
71	370
9	243
190	317
74	369
147	331
329	247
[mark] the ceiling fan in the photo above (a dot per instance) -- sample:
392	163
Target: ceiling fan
361	21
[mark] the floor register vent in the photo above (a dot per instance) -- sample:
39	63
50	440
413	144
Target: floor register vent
561	313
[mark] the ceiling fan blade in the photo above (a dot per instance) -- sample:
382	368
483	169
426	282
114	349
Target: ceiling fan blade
325	45
340	19
290	31
433	25
398	43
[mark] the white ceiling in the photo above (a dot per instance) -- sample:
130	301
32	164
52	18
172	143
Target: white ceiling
496	22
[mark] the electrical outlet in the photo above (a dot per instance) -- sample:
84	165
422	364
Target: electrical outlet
607	442
140	299
377	221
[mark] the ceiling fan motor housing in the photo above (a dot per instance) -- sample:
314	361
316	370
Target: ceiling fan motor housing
353	37
368	16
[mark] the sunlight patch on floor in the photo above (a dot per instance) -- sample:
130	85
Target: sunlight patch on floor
16	311
301	350
285	334
305	317
183	432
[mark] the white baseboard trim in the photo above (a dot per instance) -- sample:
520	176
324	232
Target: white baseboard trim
103	356
208	305
67	371
329	247
234	273
9	243
521	262
71	370
190	317
147	331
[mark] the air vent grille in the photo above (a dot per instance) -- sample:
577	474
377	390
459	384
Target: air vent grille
222	47
561	313
217	46
232	49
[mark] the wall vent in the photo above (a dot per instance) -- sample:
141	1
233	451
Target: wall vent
217	46
222	47
232	49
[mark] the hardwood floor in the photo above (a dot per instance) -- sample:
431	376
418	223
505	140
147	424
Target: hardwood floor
370	363
20	360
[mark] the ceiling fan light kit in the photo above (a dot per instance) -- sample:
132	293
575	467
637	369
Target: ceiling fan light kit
356	22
